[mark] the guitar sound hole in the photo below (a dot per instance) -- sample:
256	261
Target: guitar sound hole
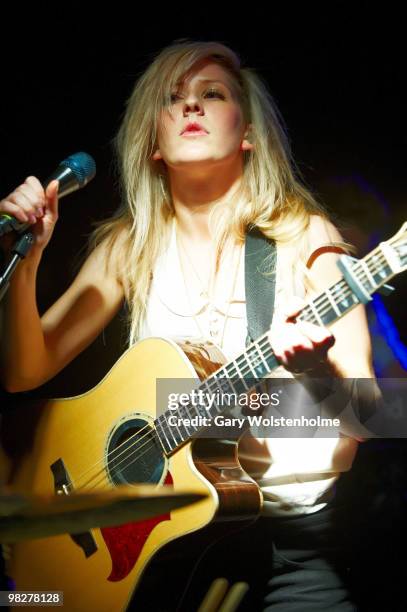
134	454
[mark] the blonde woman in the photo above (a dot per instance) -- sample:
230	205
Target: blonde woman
203	156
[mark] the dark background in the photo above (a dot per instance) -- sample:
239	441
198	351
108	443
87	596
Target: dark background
337	73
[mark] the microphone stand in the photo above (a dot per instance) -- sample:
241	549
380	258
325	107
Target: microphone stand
20	249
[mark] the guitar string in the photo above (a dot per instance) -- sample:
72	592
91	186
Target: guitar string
152	431
322	302
363	276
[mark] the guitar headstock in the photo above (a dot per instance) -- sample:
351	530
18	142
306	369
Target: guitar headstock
395	249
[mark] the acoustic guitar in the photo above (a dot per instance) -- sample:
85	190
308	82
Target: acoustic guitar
120	432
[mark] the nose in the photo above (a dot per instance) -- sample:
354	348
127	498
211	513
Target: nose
192	105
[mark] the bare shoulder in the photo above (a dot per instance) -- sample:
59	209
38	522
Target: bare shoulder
104	259
321	231
100	272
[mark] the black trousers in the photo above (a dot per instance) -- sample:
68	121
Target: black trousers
295	564
310	565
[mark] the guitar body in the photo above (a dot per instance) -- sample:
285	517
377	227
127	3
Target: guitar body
71	442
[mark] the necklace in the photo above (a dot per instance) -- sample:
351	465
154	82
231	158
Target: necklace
207	292
206	289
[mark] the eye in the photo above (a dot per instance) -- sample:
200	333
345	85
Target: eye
214	93
174	97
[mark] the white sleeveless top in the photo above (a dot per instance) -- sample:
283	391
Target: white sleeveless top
299	472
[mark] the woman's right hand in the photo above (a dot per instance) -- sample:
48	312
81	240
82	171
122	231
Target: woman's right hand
30	203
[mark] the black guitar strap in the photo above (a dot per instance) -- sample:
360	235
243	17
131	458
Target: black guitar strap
260	282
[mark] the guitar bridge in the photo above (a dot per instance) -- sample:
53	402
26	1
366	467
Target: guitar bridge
62	486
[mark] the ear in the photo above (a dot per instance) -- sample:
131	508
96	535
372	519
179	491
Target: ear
157	155
246	145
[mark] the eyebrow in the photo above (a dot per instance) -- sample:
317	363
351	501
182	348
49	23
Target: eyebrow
226	83
210	81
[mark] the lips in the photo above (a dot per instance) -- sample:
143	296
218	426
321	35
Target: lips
194	128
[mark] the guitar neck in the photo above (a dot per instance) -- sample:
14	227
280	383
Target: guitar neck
241	375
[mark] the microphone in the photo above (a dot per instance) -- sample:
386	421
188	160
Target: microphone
72	173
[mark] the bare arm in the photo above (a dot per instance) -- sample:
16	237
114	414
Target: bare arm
342	351
32	348
351	355
340	354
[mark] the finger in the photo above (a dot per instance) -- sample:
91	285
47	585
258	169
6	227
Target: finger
294	341
319	335
25	204
35	184
288	342
36	199
277	330
51	194
295	350
293	307
15	211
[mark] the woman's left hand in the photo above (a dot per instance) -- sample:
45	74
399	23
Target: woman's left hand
299	346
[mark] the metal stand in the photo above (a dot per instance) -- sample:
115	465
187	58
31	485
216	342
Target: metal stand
20	249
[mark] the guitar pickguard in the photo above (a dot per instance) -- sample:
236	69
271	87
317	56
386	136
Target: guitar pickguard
126	542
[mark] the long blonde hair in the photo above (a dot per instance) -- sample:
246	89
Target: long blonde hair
270	195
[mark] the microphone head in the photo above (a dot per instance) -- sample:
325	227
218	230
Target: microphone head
82	165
